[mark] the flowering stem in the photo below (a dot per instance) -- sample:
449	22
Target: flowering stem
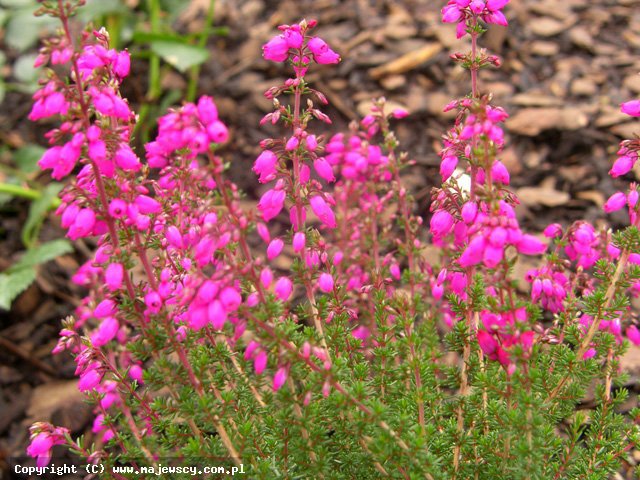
595	323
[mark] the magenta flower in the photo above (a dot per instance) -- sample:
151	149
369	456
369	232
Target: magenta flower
113	276
217	315
633	334
631	108
89	380
615	202
106	332
275	247
299	240
530	245
260	362
323	211
40	448
324	169
283	288
441	223
622	166
321	51
276	49
271	203
279	378
325	282
265	166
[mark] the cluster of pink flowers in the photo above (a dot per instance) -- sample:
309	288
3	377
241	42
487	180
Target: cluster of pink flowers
294	43
192	129
43	439
461	11
501	335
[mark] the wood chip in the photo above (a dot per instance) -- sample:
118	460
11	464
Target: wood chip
533	121
545	194
408	61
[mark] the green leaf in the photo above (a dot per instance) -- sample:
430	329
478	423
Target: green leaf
149	37
26	158
23	70
23	29
41	254
17	3
37	211
13	284
97	8
179	55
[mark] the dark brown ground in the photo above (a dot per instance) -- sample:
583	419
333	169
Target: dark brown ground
567	67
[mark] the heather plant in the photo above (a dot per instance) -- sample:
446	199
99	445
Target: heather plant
367	358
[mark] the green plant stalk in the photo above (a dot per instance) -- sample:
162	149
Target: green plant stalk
154	89
25	192
114	27
194	72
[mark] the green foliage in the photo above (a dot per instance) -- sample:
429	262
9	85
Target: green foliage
20	275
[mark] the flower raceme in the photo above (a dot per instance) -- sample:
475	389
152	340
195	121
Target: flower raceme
210	330
294	43
460	11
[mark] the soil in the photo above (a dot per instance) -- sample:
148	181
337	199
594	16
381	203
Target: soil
566	68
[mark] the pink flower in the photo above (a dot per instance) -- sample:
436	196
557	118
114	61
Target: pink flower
293	37
126	159
451	13
477	6
135	373
153	301
60	164
323	211
441	223
122	64
469	212
216	314
494	5
325	282
324	170
276	49
615	202
106	332
271	203
266	277
283	288
89	380
487	343
500	173
274	248
633	334
260	362
299	240
218	132
113	276
448	166
230	298
552	231
530	245
621	166
279	378
40	448
83	224
631	108
321	51
147	205
265	166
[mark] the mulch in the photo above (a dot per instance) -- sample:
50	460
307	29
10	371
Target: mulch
566	68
